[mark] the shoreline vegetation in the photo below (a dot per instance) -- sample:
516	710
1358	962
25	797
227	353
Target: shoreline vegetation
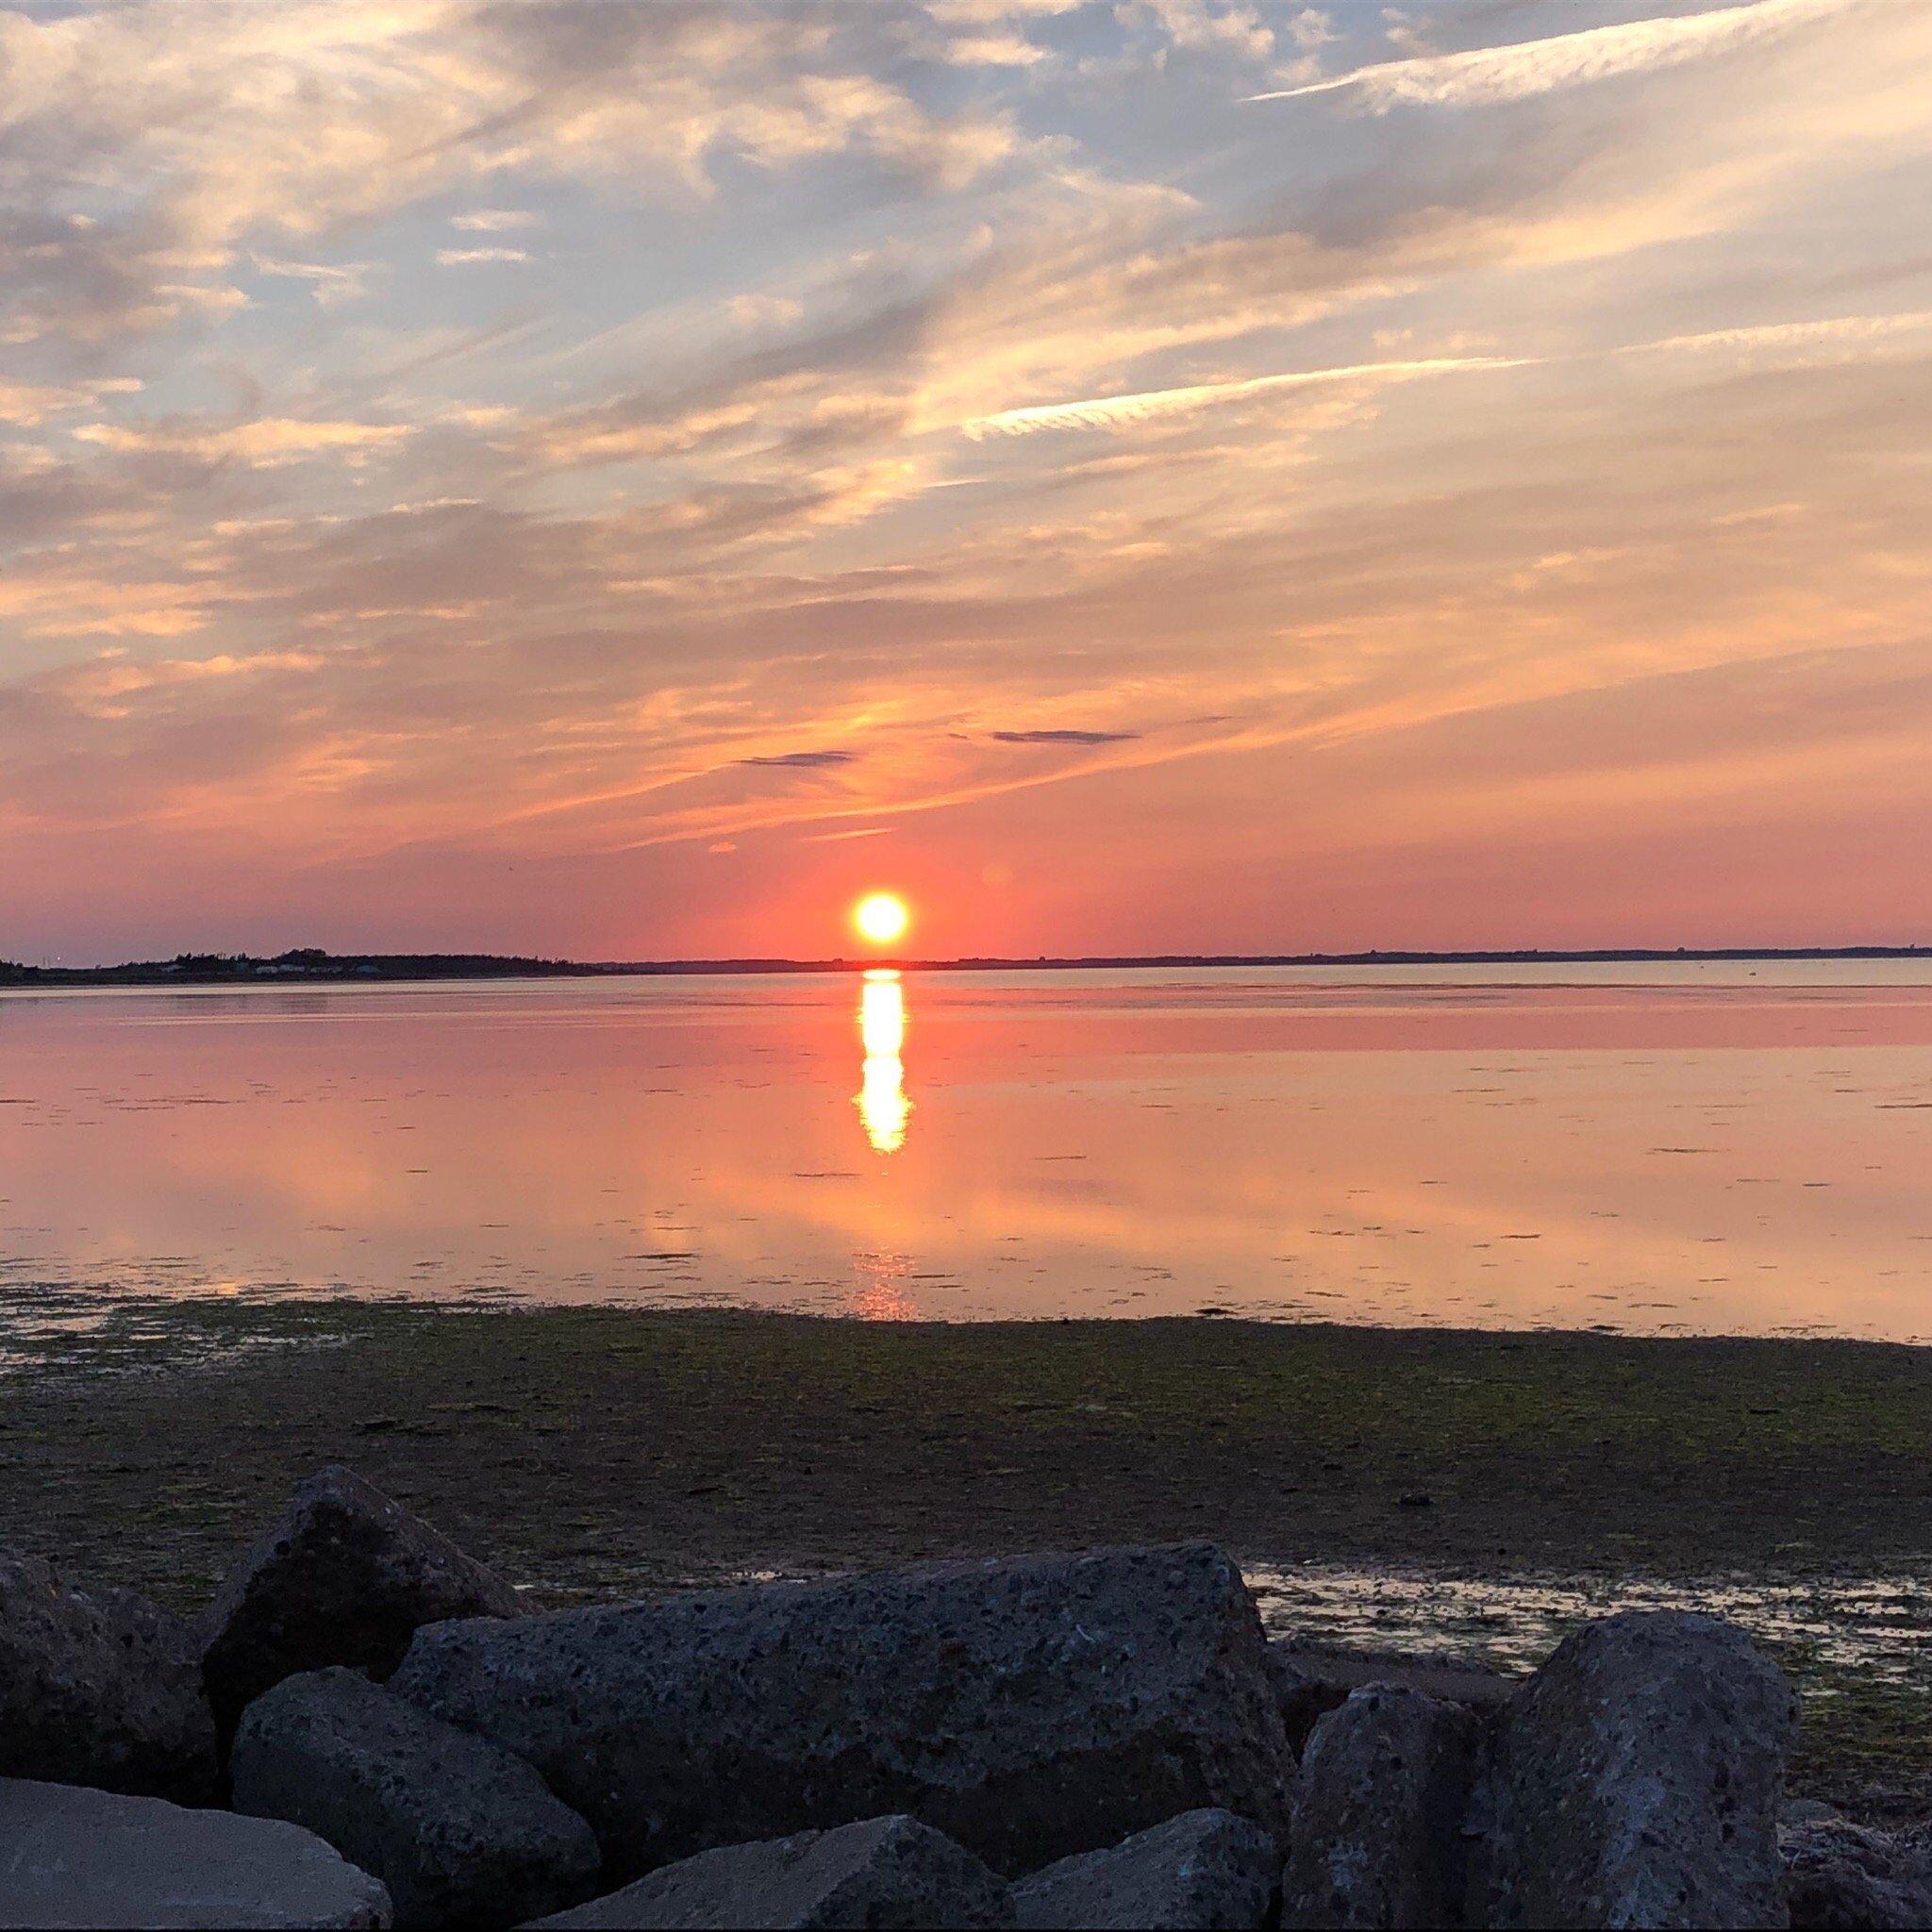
598	1452
314	966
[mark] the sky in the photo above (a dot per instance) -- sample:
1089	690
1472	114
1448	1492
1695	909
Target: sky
621	480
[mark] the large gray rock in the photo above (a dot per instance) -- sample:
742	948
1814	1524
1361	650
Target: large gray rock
460	1832
70	1857
1202	1870
887	1872
345	1577
1841	1875
1380	1804
1311	1683
99	1688
1029	1707
1635	1781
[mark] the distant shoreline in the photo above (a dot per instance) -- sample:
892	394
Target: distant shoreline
312	967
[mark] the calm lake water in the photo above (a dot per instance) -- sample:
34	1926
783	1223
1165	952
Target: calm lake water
1685	1147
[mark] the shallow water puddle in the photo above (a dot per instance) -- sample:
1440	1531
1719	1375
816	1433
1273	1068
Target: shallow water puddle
1880	1625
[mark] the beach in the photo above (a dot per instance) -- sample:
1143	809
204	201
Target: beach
633	1286
1448	1492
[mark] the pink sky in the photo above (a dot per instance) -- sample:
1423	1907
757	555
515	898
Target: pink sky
622	480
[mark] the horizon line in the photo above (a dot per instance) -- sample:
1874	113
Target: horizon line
299	963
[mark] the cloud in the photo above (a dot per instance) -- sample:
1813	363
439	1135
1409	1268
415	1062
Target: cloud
1120	412
995	50
141	158
806	392
1485	77
1831	332
530	573
996	12
329	284
1123	412
462	258
1062	737
266	441
1209	26
26	405
496	221
804	761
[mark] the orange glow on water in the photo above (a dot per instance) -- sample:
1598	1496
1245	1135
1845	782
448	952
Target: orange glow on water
1692	1150
882	1100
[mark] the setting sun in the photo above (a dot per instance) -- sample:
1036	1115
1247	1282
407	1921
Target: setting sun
881	917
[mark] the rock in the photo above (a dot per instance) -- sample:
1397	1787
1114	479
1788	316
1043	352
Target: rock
1312	1682
1380	1805
345	1577
459	1831
71	1856
1843	1874
1635	1781
1029	1707
100	1689
887	1871
1796	1811
1204	1869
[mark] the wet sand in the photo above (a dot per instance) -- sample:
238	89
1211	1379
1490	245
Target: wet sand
1414	1489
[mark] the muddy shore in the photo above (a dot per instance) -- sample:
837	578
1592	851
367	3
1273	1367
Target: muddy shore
1460	1491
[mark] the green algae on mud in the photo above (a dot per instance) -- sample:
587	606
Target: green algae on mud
594	1451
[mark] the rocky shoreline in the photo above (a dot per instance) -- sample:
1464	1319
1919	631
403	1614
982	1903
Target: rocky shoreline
367	1727
603	1453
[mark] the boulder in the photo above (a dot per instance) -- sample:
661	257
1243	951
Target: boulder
345	1577
1793	1813
887	1872
1635	1781
99	1688
1381	1801
71	1856
1029	1707
460	1832
1311	1683
1841	1875
1204	1869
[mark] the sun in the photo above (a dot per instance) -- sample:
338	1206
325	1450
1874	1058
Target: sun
881	917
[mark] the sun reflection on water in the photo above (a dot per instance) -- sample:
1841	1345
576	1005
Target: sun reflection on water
882	1294
883	1107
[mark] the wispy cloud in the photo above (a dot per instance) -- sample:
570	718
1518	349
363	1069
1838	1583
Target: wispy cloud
1522	70
1362	455
1121	412
26	405
995	50
266	441
803	760
1062	737
495	221
330	284
475	258
1831	332
1124	412
288	119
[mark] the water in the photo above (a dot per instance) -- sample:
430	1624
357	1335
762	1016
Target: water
1881	1626
1673	1148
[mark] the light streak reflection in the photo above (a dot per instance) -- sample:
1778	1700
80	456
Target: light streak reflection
883	1108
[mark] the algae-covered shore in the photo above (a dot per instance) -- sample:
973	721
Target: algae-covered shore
1404	1487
